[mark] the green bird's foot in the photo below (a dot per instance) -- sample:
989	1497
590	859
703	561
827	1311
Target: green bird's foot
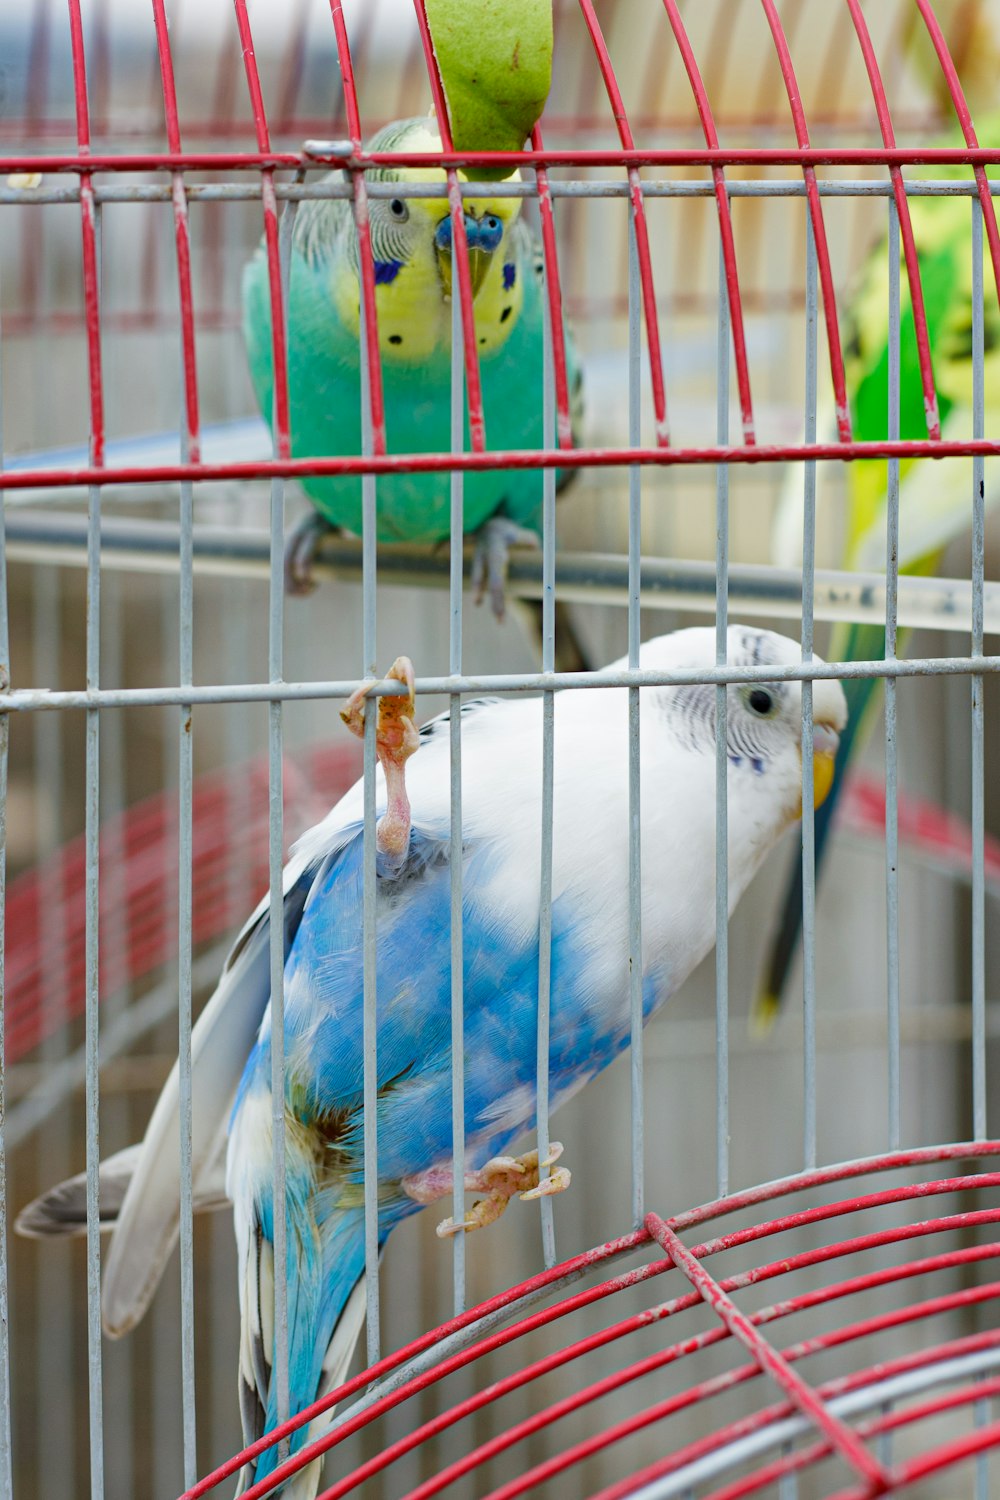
300	554
494	540
501	1179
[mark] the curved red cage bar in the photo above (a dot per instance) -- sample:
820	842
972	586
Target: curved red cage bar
88	222
564	424
473	384
768	1361
725	218
624	130
182	235
366	259
905	224
957	94
279	343
817	221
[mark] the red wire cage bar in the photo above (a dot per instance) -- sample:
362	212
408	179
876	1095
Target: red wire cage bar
628	157
811	1406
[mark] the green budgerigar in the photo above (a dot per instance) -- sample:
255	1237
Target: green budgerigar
935	499
411	242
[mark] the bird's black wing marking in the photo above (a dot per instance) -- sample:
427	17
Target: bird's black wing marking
437	725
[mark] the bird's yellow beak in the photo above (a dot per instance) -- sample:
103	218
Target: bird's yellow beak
483	234
825	742
479	263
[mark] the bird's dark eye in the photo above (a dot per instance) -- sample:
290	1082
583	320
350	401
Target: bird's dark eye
398	209
761	701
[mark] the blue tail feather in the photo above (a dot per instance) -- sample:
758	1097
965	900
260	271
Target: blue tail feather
324	1262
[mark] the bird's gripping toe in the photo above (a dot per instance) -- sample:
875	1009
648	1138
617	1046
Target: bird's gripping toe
501	1179
490	559
300	553
396	739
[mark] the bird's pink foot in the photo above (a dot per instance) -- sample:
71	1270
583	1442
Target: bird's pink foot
396	739
501	1179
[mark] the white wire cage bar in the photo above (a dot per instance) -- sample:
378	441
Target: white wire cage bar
103	543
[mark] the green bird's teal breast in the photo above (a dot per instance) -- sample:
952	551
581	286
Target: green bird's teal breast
325	394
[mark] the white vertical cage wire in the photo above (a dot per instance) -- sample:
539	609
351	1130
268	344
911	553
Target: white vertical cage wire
277	694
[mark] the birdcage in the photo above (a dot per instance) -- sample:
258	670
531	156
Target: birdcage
706	182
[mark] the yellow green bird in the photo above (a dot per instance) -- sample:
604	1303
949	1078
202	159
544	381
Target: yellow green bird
935	499
411	243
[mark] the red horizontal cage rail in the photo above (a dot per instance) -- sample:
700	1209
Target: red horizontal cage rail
496	458
607	1437
546	156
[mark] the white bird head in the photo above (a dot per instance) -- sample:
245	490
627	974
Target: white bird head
763	718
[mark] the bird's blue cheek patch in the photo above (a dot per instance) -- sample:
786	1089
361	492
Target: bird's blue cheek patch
509	276
386	271
756	764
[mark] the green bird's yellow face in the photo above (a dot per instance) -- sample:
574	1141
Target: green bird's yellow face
412	249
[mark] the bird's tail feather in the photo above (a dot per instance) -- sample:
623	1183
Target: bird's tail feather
863	643
325	1313
62	1210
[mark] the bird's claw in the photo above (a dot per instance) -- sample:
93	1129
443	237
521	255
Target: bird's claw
556	1182
448	1228
300	554
503	1178
353	712
491	556
396	736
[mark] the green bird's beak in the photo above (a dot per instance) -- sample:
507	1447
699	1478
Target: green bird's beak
482	235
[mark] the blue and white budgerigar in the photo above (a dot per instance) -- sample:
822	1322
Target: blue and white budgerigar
501	810
411	243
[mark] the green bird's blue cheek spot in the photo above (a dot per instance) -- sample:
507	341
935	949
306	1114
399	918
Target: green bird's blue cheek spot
386	271
509	277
